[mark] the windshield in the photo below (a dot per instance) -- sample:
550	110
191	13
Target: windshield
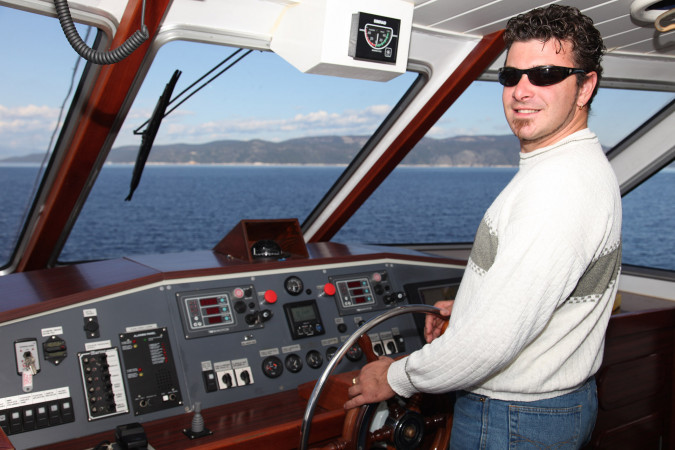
40	72
260	141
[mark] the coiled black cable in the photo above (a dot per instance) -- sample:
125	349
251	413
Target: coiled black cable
99	57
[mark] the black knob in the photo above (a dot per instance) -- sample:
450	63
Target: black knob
246	377
251	319
265	315
227	379
240	307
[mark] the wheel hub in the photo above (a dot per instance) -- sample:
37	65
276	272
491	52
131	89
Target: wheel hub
408	430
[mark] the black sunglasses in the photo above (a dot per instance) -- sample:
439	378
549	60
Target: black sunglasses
539	76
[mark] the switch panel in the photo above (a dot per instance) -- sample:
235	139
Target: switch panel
103	385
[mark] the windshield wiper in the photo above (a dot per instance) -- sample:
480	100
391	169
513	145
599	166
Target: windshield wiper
148	135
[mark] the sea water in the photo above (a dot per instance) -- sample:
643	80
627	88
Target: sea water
183	208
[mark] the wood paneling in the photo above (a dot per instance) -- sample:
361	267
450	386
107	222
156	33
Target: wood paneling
270	422
635	383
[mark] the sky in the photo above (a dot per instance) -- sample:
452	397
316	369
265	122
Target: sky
262	97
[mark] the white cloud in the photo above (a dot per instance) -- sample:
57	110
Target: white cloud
26	129
320	122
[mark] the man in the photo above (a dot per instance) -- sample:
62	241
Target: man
527	327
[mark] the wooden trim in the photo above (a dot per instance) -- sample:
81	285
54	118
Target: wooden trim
94	126
487	50
5	443
271	421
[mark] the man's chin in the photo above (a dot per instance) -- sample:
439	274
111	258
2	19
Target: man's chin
522	128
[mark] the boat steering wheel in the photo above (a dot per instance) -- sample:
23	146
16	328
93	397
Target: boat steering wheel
405	426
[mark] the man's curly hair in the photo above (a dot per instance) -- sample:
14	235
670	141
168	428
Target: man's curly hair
561	23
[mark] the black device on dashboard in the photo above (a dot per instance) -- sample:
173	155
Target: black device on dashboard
304	319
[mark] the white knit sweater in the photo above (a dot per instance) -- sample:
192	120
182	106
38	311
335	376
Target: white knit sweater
532	309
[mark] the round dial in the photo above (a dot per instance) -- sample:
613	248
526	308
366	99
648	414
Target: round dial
272	366
330	352
354	353
294	285
314	359
293	363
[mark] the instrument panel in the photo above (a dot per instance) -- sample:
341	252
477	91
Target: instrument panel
153	352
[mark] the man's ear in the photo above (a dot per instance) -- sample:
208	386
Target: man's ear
586	89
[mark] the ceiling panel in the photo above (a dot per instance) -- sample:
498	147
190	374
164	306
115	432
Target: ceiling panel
606	12
481	17
433	13
490	17
655	44
623	34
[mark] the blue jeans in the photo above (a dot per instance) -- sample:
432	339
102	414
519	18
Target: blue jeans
564	422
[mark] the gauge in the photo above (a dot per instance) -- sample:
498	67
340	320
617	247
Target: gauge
272	366
293	363
330	352
354	353
294	285
314	359
378	36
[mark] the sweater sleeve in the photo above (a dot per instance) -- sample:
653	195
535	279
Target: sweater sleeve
542	229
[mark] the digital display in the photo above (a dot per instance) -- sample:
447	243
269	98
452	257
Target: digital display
431	295
208	311
208	301
430	292
303	319
355	292
303	313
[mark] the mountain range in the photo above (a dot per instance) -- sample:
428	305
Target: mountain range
500	150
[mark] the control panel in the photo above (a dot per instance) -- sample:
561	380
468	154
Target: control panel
225	310
154	352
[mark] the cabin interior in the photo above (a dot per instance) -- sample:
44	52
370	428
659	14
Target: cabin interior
250	341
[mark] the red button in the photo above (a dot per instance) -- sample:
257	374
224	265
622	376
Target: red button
270	296
329	289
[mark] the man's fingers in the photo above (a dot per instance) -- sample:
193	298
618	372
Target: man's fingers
355	402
